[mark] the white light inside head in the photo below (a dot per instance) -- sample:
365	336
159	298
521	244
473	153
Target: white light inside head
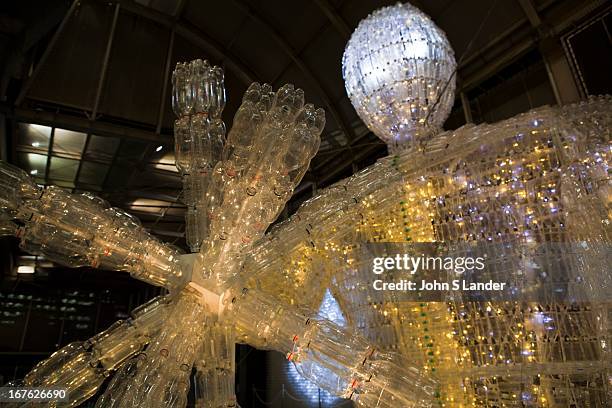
330	309
25	269
35	144
398	69
159	148
34	172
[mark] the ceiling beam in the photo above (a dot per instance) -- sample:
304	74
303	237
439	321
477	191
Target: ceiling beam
178	11
105	61
530	12
196	37
360	135
180	6
328	176
336	19
165	233
28	82
111	165
101	80
164	93
49	150
286	48
83	125
467	109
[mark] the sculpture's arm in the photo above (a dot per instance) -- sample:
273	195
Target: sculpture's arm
340	213
198	99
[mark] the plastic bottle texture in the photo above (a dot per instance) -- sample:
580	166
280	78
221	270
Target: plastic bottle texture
83	230
273	138
198	99
160	375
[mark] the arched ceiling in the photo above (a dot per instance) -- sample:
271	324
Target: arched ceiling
101	69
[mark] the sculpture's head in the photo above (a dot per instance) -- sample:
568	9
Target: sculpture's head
398	69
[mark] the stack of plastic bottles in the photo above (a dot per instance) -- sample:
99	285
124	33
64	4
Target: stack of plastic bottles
215	367
334	358
160	375
198	99
83	230
273	138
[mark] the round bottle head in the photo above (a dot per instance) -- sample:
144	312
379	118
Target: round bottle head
398	69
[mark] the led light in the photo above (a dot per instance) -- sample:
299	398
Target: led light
159	148
25	269
34	172
398	69
36	144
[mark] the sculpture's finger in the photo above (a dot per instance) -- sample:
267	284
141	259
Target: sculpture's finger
286	104
253	93
215	367
182	97
16	186
283	96
241	137
200	85
304	141
162	372
81	367
218	92
329	355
